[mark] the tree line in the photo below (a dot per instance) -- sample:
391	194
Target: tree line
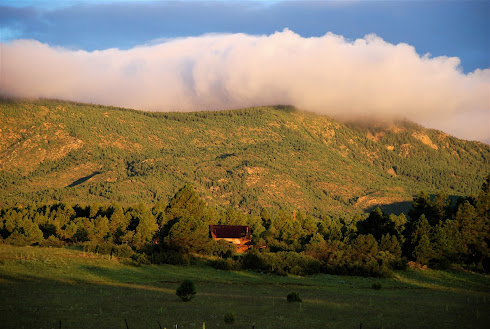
438	232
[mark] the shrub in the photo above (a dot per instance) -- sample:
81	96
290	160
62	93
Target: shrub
186	290
293	297
399	264
228	264
140	259
376	286
89	246
171	257
17	239
229	318
104	248
52	241
222	248
123	251
281	263
253	260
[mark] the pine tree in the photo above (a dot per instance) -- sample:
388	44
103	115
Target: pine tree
423	250
185	202
186	291
474	232
146	227
377	224
420	240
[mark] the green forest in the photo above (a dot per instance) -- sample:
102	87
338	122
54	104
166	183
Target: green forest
439	233
323	196
277	158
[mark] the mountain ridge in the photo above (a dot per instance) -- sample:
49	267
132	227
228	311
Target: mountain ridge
262	157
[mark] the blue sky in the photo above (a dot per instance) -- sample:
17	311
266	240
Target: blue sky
454	28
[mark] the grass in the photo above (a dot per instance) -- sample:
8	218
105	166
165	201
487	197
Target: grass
39	287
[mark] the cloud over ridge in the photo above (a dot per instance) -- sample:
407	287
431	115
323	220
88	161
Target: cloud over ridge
367	77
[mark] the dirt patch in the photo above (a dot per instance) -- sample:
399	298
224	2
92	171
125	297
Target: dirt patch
405	150
254	175
396	129
376	137
391	171
425	140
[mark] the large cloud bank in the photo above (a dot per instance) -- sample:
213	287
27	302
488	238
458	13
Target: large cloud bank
366	77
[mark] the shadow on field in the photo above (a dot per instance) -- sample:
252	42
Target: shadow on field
456	281
83	179
392	208
104	297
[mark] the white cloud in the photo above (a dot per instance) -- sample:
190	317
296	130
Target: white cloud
366	77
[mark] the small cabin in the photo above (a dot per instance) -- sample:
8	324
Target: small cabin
238	235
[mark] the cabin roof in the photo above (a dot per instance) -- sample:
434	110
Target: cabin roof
229	231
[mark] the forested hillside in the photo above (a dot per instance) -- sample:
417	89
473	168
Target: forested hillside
267	157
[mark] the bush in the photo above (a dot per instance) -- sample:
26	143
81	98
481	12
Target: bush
123	251
376	286
440	264
89	246
222	248
186	290
253	260
281	263
170	257
52	241
293	297
104	248
140	259
399	264
229	318
17	239
228	264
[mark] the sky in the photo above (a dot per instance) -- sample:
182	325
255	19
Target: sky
427	61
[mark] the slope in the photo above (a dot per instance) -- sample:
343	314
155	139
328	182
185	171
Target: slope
266	157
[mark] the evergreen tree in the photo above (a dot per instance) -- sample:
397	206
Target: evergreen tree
423	251
377	224
146	227
390	244
330	229
117	220
448	242
266	218
474	232
440	207
185	202
483	201
186	291
364	246
421	205
420	241
101	228
189	234
400	221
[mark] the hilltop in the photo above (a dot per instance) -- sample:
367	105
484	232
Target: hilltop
264	157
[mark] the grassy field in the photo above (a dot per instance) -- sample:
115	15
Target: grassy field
39	287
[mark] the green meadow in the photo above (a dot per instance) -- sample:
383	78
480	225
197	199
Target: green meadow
43	287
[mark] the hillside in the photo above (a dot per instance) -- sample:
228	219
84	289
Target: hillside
267	157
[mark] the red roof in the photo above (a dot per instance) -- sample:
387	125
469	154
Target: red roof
229	231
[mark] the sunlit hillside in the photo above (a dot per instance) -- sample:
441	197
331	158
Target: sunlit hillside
266	157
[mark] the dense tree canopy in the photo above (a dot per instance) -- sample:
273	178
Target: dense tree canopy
457	233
